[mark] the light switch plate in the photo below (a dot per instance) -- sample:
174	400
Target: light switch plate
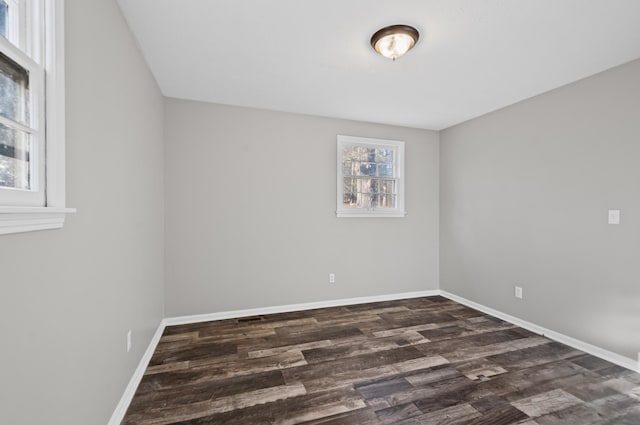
614	216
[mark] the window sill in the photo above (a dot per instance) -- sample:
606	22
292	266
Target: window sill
376	214
31	219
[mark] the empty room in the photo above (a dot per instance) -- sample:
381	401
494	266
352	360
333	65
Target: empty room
320	212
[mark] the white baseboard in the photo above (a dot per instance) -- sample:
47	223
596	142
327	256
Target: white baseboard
130	391
556	336
183	320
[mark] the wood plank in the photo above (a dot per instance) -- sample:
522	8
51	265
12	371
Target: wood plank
542	404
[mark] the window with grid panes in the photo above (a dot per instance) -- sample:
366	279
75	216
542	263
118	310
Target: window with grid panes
32	115
370	177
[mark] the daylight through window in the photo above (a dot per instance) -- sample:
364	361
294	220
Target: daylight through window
22	92
370	177
32	116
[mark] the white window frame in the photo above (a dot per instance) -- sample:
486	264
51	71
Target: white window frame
398	147
50	211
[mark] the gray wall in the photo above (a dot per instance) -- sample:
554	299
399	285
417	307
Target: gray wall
250	212
524	199
69	296
250	221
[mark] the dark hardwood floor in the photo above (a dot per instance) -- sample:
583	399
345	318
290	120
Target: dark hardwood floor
416	361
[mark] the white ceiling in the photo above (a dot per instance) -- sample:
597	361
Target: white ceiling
314	56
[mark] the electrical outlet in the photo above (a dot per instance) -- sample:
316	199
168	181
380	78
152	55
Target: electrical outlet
332	278
518	292
129	341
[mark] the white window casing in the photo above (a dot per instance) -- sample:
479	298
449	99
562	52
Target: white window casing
370	177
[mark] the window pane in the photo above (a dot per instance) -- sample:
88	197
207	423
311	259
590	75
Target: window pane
353	168
350	168
10	18
4	19
386	201
15	169
350	185
375	186
350	153
367	154
388	187
14	91
384	156
364	200
350	200
368	169
364	185
384	170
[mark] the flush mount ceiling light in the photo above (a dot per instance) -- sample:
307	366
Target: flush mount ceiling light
395	40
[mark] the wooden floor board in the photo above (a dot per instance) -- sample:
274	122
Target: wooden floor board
417	361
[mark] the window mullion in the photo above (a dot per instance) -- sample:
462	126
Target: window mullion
18	55
16	125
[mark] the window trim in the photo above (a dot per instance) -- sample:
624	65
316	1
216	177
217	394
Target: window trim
399	211
16	219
